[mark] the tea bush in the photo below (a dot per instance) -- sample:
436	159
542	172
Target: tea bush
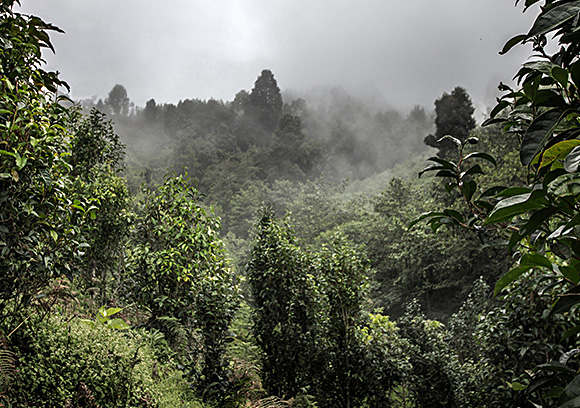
66	362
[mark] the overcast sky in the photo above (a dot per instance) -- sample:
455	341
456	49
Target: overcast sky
406	52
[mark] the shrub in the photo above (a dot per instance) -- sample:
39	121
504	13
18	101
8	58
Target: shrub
64	362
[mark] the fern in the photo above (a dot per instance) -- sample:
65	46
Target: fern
7	368
272	402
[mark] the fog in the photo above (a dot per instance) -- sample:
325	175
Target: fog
401	52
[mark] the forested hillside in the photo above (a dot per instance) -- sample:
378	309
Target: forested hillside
289	249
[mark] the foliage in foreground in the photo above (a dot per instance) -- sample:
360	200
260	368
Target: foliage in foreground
67	362
540	219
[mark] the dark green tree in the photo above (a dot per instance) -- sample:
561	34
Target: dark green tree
346	279
454	116
288	308
429	380
418	115
96	159
94	143
180	274
118	100
151	111
310	324
292	156
265	101
241	102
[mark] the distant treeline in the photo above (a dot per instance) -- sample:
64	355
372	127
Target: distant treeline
259	136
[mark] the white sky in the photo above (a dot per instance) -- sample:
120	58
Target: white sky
406	52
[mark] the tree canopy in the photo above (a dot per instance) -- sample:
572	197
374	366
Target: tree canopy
453	116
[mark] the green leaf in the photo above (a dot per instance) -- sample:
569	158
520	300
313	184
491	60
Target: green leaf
567	300
456	141
21	162
112	311
509	207
560	75
454	214
531	86
558	151
509	277
469	189
4	152
118	324
565	185
493	191
571	332
560	249
432	167
481	155
573	222
555	366
515	238
423	216
541	382
446	163
510	44
446	173
571	395
436	223
513	191
553	18
516	386
475	169
538	133
450	186
492	121
570	273
549	98
537	220
536	260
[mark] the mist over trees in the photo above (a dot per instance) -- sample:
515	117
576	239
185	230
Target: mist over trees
288	249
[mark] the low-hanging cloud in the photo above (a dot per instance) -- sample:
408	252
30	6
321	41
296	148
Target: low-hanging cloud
410	52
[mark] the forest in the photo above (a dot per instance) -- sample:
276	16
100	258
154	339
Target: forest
289	249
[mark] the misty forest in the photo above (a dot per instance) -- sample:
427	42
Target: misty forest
290	249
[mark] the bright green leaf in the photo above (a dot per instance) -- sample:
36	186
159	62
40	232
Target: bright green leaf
558	151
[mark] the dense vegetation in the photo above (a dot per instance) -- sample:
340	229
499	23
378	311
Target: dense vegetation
279	250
